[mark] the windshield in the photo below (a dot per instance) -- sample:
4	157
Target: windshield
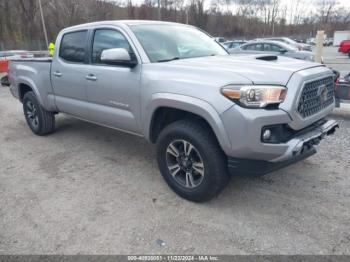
288	47
236	44
290	41
164	43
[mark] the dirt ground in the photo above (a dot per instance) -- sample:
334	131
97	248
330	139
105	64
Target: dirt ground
90	190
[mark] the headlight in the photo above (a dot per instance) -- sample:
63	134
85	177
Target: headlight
255	96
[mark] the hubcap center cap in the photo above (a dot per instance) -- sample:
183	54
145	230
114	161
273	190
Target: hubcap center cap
186	163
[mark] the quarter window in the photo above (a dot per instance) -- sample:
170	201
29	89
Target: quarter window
72	47
107	39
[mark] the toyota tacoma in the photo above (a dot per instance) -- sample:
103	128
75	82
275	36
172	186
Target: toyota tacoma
210	114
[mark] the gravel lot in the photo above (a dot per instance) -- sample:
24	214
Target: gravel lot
90	190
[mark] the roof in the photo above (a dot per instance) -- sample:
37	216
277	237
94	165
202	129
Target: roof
267	41
287	46
275	37
235	41
122	22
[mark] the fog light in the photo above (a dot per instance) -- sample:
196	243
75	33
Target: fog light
266	134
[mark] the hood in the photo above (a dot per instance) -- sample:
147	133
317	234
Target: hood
305	52
305	45
306	55
236	69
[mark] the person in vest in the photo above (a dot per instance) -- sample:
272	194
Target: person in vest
51	49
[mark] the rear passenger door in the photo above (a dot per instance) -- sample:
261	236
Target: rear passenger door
68	72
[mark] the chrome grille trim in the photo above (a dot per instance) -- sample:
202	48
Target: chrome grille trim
316	96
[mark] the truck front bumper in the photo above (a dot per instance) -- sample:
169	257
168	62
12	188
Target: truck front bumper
300	147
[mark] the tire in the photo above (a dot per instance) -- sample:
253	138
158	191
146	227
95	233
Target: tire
40	121
206	161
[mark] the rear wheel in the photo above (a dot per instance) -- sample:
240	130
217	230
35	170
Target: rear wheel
40	121
191	160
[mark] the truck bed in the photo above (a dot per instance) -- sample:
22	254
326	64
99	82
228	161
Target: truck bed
39	59
33	72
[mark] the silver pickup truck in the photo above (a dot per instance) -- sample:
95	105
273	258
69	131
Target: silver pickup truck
210	114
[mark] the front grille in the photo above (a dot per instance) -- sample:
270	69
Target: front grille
316	96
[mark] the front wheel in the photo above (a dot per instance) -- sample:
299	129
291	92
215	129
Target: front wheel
40	121
191	160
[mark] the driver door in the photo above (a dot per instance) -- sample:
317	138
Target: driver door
113	91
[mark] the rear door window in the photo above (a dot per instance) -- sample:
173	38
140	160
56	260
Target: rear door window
248	47
275	48
254	47
73	47
271	48
259	47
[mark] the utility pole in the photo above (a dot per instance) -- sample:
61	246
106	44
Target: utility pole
43	22
159	10
187	14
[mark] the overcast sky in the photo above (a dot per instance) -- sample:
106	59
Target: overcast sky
345	3
308	5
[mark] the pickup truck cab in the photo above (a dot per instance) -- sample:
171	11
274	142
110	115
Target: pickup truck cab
210	114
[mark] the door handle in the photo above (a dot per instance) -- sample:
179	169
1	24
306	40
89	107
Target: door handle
91	77
57	74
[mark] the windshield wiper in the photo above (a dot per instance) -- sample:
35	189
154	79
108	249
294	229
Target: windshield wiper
167	60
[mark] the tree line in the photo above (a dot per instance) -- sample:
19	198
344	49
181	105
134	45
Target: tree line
21	27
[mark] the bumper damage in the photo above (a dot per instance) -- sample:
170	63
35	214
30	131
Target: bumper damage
300	147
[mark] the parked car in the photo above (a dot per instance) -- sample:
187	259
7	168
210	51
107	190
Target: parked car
286	40
311	41
230	45
328	42
300	40
345	47
275	48
209	113
342	90
220	39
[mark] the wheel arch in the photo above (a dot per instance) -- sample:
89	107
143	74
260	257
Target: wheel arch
25	85
185	106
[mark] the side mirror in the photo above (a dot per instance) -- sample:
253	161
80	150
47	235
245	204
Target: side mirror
283	51
117	56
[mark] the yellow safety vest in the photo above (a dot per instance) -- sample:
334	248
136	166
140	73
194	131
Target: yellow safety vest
51	49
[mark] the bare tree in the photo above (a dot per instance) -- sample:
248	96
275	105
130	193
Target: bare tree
232	18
